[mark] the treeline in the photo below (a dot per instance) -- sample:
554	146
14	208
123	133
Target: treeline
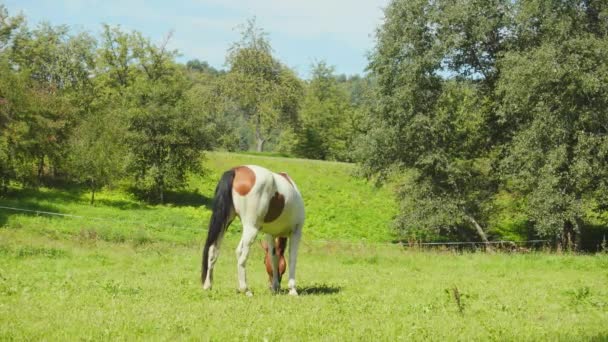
495	115
75	107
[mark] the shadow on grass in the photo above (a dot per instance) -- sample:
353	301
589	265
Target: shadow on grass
144	200
121	204
69	194
22	208
187	198
319	289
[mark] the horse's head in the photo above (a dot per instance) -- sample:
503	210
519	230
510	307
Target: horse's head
279	247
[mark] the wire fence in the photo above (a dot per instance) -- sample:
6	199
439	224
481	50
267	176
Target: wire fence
405	244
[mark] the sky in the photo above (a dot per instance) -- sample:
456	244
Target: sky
340	32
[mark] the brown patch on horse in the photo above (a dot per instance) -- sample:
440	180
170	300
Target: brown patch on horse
244	180
284	174
279	249
275	208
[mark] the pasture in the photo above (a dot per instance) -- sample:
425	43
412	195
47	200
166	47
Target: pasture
125	270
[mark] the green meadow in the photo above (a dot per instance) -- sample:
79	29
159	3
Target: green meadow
125	270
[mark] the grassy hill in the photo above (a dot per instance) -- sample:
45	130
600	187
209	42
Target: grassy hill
125	270
339	206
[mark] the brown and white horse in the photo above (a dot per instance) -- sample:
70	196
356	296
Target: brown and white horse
265	202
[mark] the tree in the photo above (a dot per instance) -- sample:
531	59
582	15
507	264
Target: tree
8	26
165	136
166	142
13	104
202	67
324	117
478	99
266	92
220	114
96	156
59	90
435	70
554	92
51	70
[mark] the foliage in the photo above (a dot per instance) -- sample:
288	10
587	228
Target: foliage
324	130
475	99
202	67
165	133
440	128
554	96
93	157
489	116
8	26
222	119
265	91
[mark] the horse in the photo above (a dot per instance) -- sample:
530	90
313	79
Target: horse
265	202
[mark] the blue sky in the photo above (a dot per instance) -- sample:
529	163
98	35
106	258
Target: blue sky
340	32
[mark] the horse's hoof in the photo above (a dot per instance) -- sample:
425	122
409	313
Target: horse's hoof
248	294
293	292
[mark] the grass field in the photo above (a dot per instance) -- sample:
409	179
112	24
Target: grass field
130	271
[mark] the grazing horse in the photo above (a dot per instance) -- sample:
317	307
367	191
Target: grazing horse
265	202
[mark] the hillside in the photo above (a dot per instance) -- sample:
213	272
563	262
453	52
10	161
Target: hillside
124	270
339	206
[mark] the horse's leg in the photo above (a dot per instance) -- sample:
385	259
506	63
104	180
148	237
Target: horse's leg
274	261
242	253
294	243
214	253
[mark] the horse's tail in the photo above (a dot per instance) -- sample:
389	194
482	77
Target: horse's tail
222	207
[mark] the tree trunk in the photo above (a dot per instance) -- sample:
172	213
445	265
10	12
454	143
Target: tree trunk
92	192
480	231
40	169
260	145
258	135
161	191
4	188
571	239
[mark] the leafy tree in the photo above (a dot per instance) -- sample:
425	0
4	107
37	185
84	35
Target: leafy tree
116	58
435	68
554	92
13	105
266	92
165	141
59	68
324	117
202	67
478	99
8	26
12	89
50	69
96	156
221	115
165	136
